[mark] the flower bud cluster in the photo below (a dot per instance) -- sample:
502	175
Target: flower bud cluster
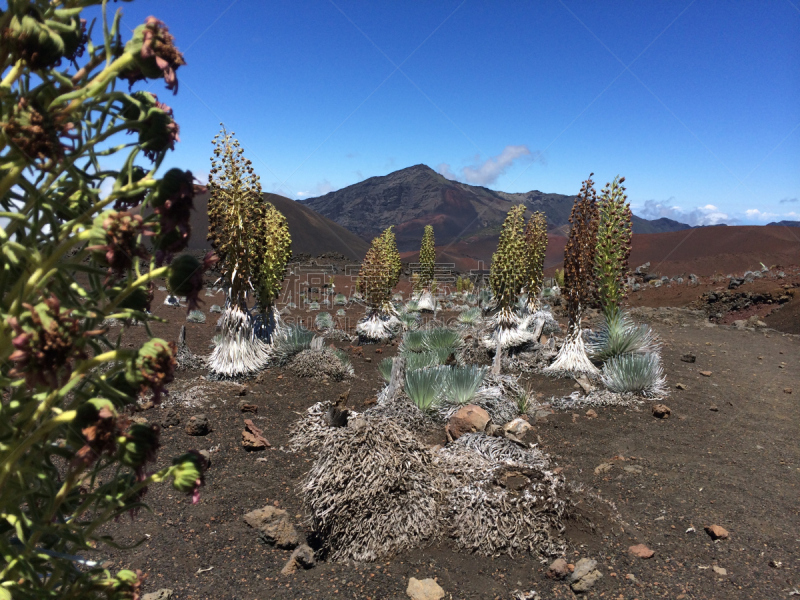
427	259
380	271
536	248
614	237
509	264
579	253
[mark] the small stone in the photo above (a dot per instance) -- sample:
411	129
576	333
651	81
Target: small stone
591	413
585	583
680	386
425	589
171	419
517	429
713	408
367	359
274	527
603	468
716	532
140	420
719	570
582	568
198	425
239	389
558	569
302	557
207	455
641	551
467	419
689	358
635	469
246	407
631	577
787	390
253	438
162	594
705	373
215	308
661	411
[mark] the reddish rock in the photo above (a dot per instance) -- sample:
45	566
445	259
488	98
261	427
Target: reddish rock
558	569
716	532
641	551
253	438
246	407
467	419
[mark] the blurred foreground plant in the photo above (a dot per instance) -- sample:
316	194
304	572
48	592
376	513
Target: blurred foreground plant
71	257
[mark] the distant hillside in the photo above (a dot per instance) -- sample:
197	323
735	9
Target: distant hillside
311	232
786	223
698	250
417	196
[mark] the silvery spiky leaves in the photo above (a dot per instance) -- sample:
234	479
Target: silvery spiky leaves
73	256
536	248
579	281
427	261
638	373
460	384
424	386
323	320
470	317
289	341
507	278
614	236
619	335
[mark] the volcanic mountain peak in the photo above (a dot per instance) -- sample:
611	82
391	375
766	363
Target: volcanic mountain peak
417	196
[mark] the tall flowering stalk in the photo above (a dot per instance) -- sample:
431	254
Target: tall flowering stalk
614	236
380	273
72	257
251	238
579	280
535	250
507	278
427	270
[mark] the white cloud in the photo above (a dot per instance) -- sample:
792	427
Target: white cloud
488	172
322	188
702	215
757	215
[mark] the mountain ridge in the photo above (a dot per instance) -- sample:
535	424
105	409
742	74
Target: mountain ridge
416	196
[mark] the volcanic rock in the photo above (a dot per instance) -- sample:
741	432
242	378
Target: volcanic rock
716	532
641	551
302	557
253	438
425	589
467	419
198	425
274	527
661	411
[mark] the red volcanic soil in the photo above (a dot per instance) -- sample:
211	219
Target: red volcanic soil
702	251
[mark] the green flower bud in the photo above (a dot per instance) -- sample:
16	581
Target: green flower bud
139	446
188	473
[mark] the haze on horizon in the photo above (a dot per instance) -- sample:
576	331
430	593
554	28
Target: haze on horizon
696	102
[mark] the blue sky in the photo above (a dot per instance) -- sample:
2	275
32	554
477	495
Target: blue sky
696	103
